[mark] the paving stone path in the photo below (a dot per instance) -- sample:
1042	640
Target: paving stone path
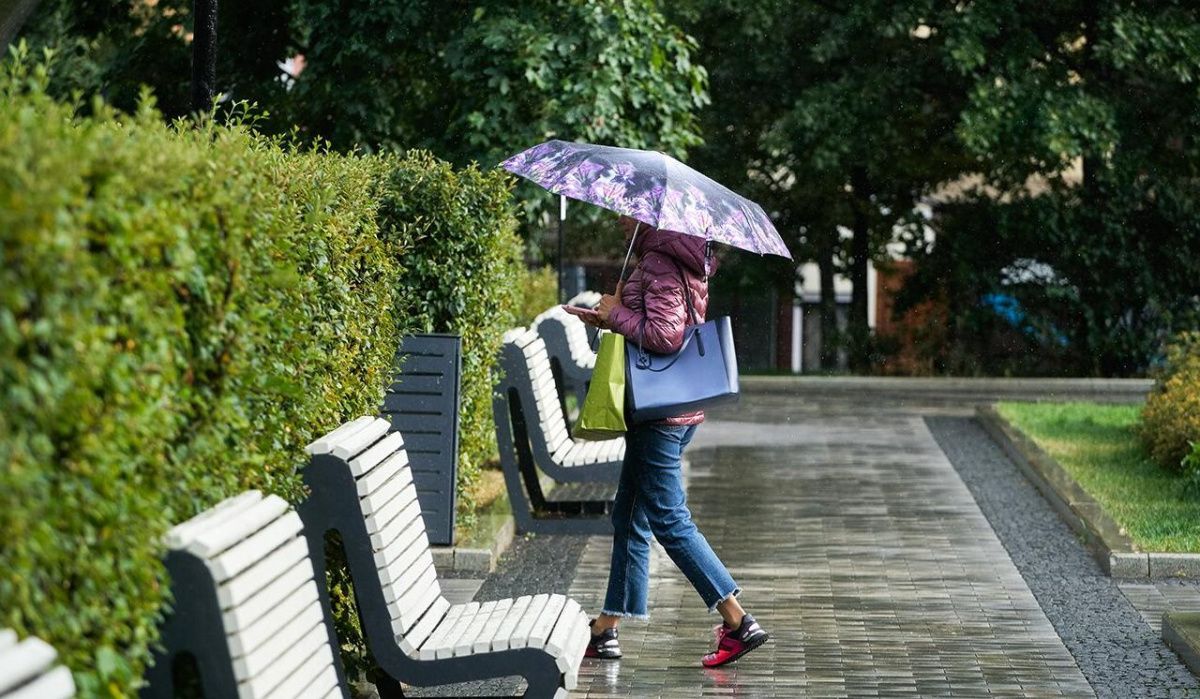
884	561
864	554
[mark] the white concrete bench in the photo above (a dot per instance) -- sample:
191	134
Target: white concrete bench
247	606
532	436
28	669
362	488
587	299
526	365
572	359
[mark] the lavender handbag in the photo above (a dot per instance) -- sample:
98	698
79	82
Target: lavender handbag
701	374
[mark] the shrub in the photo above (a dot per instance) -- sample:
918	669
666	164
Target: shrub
539	291
182	308
462	277
1171	417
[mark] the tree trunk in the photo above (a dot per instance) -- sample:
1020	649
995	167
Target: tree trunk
828	308
204	55
860	255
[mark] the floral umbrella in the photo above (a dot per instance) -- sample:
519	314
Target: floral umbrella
651	187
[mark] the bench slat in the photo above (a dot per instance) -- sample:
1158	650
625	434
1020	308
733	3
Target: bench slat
572	658
575	637
355	443
431	596
242	615
384	477
294	660
323	444
411	534
221	537
362	465
380	519
56	684
8	638
256	547
446	648
373	503
520	635
566	624
416	558
24	661
294	680
483	642
444	629
181	534
545	621
405	608
411	642
406	562
324	685
262	657
462	646
248	639
503	638
381	540
259	575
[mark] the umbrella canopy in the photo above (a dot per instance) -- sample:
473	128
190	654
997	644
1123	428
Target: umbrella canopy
651	187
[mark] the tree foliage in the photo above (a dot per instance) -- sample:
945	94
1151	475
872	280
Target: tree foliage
1082	117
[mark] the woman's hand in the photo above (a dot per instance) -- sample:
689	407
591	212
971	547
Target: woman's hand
607	303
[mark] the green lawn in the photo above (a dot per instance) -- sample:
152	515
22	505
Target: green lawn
1098	446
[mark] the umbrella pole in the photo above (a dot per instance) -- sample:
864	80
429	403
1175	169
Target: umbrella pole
562	218
629	252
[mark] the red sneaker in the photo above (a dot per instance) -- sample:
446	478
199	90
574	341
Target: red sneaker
734	643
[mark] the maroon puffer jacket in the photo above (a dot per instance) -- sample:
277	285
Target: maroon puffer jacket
657	279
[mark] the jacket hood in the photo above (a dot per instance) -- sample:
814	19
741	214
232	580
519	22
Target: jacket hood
687	249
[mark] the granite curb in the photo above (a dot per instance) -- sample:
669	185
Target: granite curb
969	389
480	559
1181	633
1108	542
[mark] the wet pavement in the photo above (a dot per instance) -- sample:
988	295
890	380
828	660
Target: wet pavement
864	554
880	567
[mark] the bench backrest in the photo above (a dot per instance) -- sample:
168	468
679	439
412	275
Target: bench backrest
526	361
247	605
423	405
28	670
587	299
376	460
557	322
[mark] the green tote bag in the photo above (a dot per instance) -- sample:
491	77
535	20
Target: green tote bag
603	413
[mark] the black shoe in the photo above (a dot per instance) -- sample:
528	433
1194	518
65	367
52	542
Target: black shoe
603	645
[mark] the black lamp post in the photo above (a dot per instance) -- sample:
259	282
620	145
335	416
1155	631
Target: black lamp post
204	54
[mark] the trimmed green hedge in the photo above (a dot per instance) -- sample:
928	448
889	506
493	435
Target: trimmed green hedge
182	309
462	276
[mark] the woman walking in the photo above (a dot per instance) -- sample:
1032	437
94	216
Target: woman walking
669	283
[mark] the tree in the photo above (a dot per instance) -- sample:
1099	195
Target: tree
1083	116
469	81
834	115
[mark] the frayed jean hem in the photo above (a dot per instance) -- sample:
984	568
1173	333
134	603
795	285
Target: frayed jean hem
626	615
736	591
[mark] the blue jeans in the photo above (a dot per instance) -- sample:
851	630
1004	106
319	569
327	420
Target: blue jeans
650	500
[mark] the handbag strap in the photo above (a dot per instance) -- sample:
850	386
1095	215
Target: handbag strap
643	359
